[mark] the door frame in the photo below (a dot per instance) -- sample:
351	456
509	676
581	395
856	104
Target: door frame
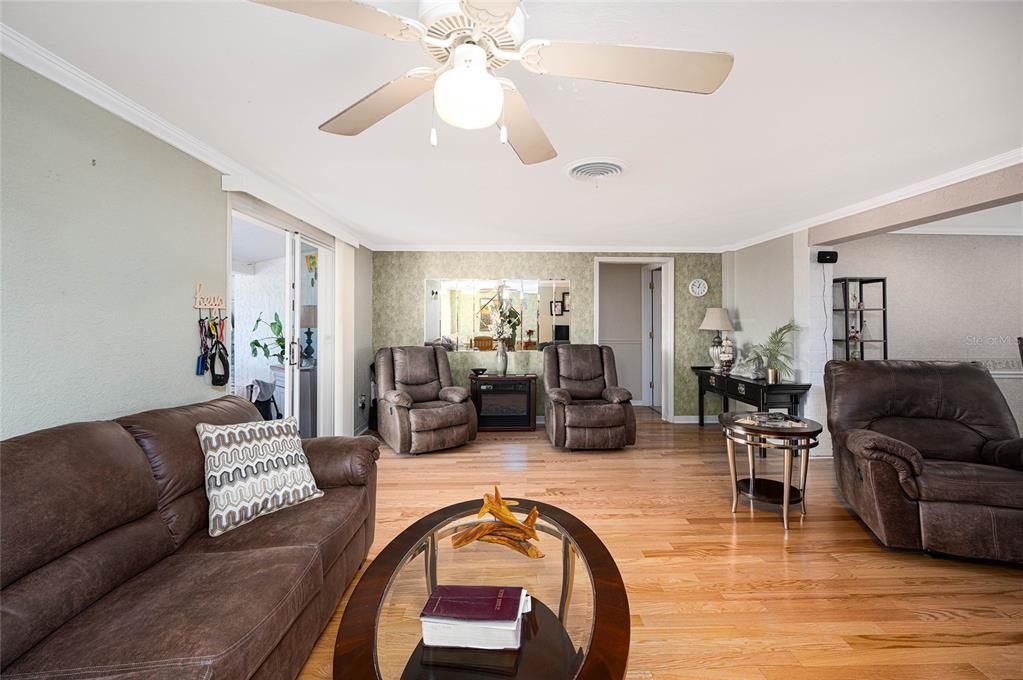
266	215
648	354
667	265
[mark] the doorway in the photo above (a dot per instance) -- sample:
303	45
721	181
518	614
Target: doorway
641	331
282	307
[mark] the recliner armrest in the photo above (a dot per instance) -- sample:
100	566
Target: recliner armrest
341	461
456	395
616	395
1007	453
398	398
560	395
906	460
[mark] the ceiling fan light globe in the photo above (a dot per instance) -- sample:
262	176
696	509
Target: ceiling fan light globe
467	96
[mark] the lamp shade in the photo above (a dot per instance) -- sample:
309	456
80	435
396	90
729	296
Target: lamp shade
467	96
716	320
308	318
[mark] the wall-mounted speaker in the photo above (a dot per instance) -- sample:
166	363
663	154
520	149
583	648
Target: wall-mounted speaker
827	256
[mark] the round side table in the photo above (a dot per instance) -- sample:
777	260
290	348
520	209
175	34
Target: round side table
787	436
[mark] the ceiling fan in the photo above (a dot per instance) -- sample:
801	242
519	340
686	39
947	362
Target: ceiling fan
472	38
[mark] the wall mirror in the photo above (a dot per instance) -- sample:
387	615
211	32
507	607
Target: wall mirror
461	314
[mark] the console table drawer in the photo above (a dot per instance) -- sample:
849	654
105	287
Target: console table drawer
714	382
744	391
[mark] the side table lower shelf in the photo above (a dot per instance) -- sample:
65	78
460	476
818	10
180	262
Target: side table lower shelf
768	491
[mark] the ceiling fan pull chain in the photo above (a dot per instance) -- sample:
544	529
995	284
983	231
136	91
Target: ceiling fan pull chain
433	126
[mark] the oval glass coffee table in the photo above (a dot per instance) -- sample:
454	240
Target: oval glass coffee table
579	626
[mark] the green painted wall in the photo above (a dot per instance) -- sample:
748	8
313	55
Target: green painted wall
398	304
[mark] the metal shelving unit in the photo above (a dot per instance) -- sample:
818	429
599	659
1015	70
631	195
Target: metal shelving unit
858	300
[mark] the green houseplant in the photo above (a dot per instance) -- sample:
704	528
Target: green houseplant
276	339
775	353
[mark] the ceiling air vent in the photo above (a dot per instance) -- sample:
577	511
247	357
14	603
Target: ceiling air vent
596	169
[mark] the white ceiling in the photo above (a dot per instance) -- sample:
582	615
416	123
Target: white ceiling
252	243
1005	219
828	105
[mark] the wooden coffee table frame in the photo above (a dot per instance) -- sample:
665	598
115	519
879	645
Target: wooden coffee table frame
608	651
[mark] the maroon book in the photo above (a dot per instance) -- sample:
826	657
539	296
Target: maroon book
474	603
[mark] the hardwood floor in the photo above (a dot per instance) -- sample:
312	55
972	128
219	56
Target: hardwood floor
716	595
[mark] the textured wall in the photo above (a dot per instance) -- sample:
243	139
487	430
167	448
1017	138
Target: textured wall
398	302
763	291
954	298
106	231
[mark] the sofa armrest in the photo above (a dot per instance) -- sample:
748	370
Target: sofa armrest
559	395
616	395
398	398
456	395
1007	453
906	460
341	461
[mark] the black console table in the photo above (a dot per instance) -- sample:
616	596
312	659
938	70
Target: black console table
758	393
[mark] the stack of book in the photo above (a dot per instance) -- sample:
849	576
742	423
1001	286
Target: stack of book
474	627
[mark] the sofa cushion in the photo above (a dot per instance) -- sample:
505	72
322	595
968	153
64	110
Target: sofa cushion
581	370
438	417
227	610
77	519
971	483
327	524
415	372
594	414
253	469
934	438
167	436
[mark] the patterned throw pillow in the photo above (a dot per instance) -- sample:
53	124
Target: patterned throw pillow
253	469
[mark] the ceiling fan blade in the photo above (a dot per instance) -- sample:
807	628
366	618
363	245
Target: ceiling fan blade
666	69
489	13
354	15
524	133
382	102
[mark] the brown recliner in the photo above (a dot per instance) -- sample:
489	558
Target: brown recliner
586	409
928	455
419	409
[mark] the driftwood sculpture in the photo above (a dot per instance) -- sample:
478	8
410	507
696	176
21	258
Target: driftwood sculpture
506	530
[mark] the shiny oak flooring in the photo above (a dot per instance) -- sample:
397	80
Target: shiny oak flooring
716	595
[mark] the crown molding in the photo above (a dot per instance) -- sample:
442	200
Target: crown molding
532	248
983	167
37	58
961	231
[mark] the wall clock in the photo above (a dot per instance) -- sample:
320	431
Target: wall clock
698	287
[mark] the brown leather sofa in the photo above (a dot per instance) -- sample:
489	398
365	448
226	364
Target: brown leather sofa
419	408
109	571
585	408
928	455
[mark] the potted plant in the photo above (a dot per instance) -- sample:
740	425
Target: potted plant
277	344
774	353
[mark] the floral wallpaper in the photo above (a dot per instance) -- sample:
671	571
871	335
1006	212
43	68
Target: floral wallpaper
398	304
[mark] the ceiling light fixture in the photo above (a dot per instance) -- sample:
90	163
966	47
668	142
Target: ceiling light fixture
467	96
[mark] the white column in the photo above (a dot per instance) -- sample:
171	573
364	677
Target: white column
811	308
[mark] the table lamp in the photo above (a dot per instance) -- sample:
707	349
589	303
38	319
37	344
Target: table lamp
308	322
716	320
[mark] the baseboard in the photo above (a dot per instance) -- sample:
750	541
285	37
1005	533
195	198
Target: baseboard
687	420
